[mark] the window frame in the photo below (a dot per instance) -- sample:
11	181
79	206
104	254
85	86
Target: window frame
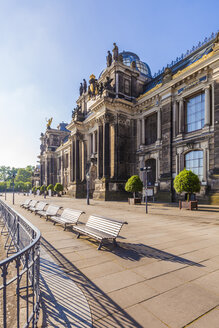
189	98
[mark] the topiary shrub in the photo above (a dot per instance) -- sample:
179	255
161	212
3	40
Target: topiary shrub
187	181
134	184
58	188
34	189
42	189
50	187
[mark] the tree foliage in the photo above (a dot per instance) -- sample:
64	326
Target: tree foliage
187	181
58	187
134	184
50	187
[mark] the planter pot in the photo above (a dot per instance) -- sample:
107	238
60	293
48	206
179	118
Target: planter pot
190	205
134	201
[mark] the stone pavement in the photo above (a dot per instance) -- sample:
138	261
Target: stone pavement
165	272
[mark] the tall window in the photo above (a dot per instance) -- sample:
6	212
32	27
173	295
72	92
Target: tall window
195	118
194	162
151	129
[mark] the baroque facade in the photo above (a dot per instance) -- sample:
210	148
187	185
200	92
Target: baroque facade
127	119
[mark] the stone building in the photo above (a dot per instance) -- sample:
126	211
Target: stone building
127	119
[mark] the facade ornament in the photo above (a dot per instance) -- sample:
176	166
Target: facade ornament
49	122
84	86
109	59
107	84
81	89
93	87
133	64
216	43
167	75
115	52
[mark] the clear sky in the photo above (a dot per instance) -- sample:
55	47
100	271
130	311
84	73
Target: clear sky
48	46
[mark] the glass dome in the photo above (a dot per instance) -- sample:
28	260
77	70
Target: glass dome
142	67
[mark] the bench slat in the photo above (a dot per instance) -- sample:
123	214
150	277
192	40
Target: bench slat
100	228
68	217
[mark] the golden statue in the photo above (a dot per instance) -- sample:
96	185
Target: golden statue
49	122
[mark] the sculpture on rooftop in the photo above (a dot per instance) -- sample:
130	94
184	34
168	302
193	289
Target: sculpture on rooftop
81	89
84	85
115	52
49	122
109	59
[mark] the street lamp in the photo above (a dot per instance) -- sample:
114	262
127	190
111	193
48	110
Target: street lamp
13	177
146	169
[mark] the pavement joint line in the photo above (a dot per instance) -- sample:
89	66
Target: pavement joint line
196	319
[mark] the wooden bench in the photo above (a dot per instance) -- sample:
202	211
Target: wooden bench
52	210
32	203
101	229
68	217
39	207
27	202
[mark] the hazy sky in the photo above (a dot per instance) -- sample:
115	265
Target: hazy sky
48	46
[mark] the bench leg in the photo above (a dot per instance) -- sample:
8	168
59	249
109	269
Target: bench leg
78	235
115	243
100	245
65	227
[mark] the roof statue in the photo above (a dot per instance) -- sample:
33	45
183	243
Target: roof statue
109	59
49	122
81	89
84	85
115	52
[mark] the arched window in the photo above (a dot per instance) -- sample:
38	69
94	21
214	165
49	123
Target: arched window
194	162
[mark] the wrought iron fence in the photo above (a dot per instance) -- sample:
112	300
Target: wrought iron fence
19	281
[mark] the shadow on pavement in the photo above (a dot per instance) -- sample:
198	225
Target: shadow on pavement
105	312
134	252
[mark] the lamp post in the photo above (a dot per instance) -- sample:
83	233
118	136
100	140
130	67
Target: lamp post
146	169
13	176
88	187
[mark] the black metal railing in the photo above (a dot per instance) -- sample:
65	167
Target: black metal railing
19	271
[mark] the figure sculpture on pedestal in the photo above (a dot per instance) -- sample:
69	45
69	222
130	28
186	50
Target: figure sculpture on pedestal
81	89
84	85
109	59
115	52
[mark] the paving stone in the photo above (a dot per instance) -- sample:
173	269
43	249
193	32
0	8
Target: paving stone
181	305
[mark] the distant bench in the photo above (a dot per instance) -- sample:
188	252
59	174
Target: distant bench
101	229
68	217
51	211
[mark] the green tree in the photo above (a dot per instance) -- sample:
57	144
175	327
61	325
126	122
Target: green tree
42	189
3	186
58	188
4	172
23	175
50	187
134	184
187	181
27	186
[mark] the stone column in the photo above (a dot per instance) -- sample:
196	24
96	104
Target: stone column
94	142
159	124
205	164
82	161
157	169
207	106
76	160
181	116
143	131
175	118
138	133
177	164
100	151
73	160
105	149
